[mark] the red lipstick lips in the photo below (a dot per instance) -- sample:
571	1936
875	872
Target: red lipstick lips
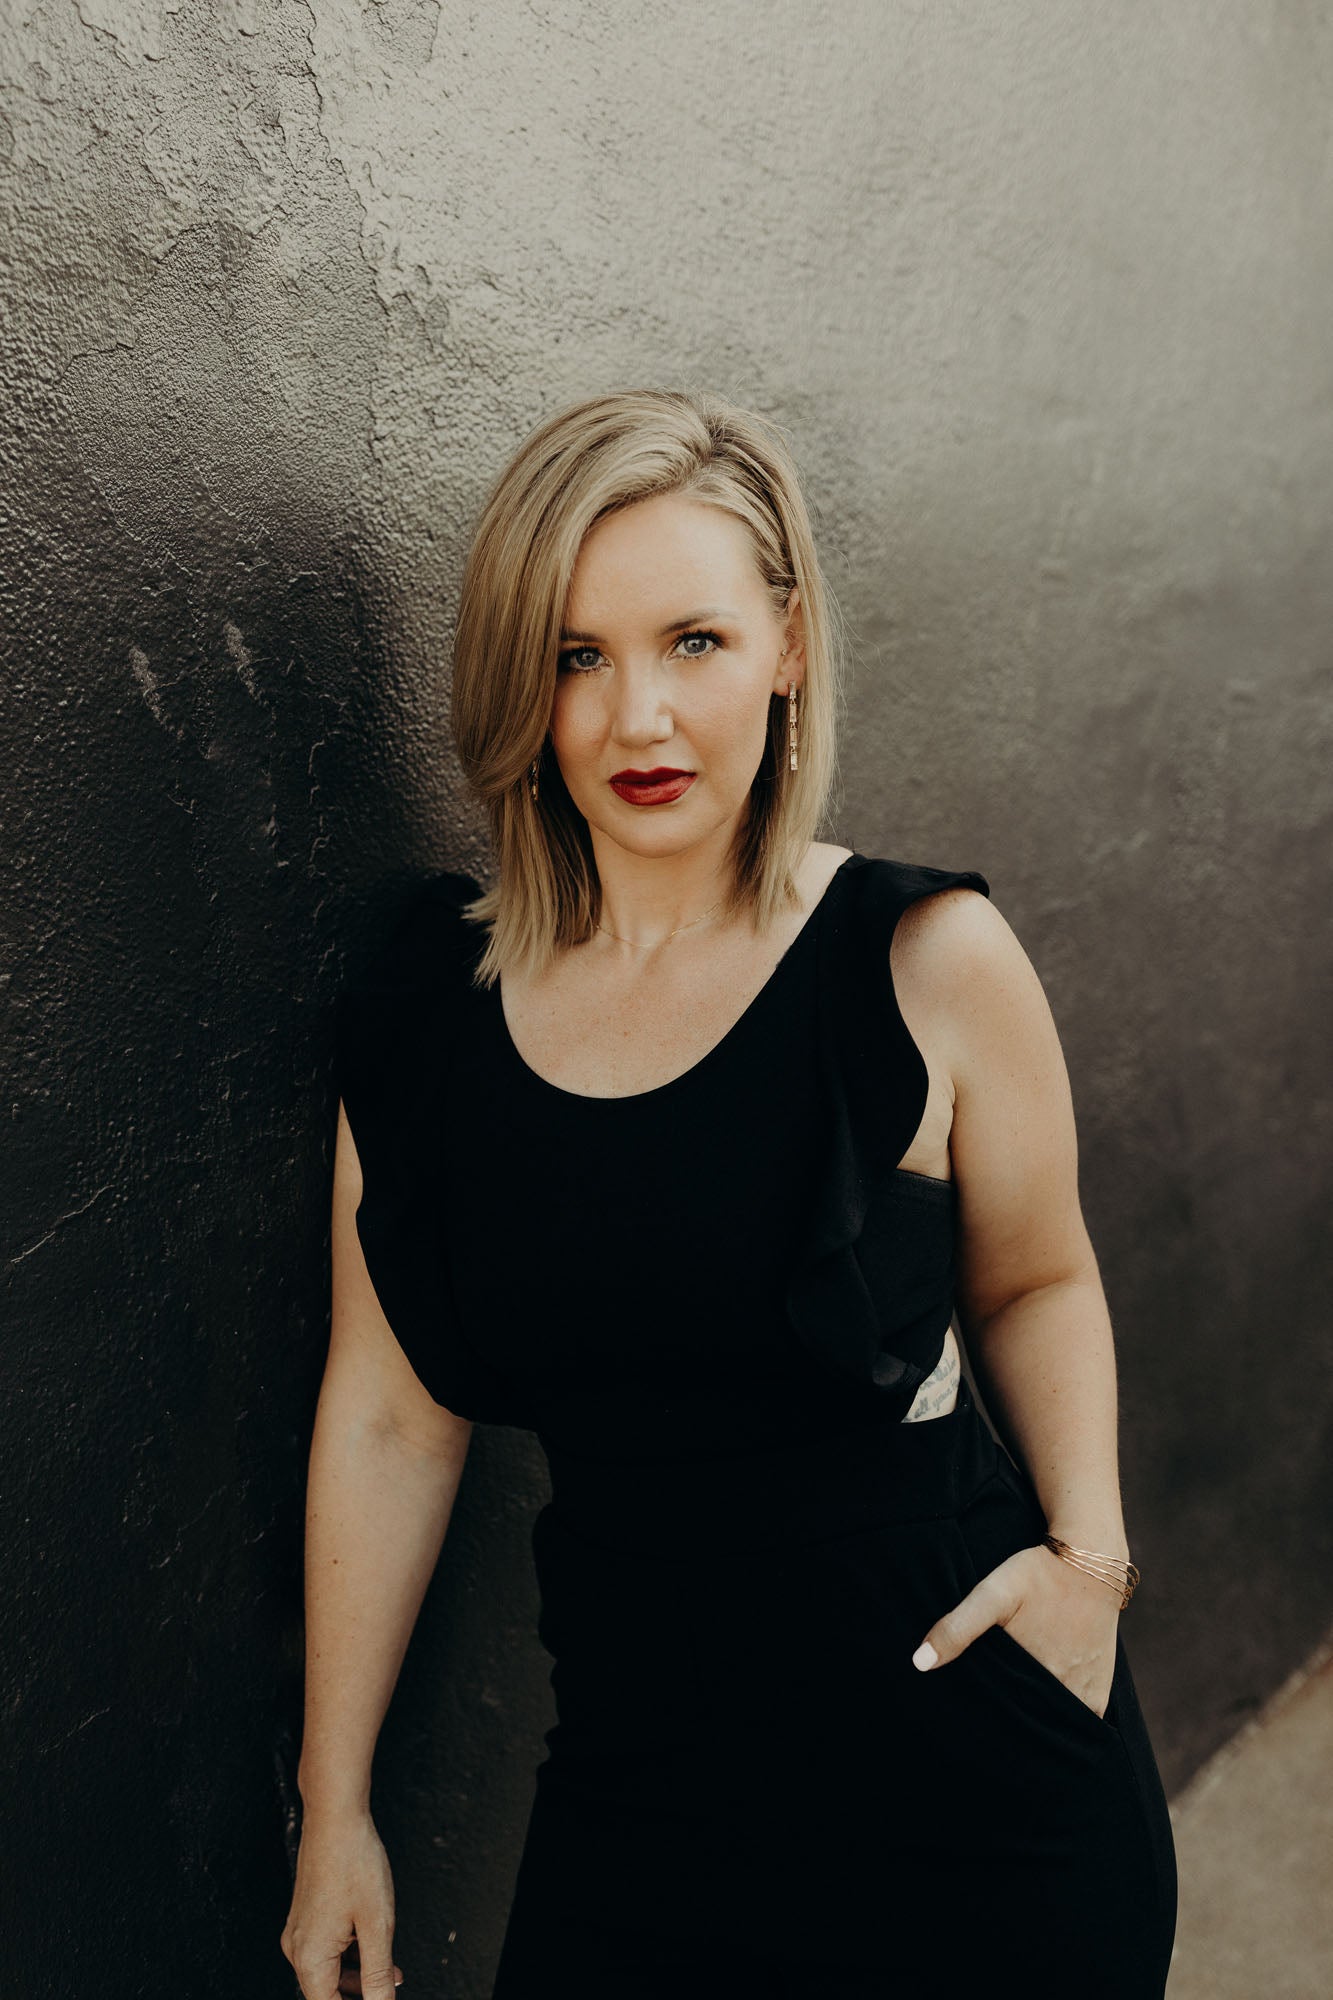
657	787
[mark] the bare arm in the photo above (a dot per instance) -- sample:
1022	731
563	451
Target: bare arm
385	1464
1030	1296
1030	1301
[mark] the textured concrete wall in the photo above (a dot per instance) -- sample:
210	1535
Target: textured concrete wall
1042	295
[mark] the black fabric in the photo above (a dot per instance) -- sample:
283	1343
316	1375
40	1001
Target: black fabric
750	1790
767	1174
714	1303
399	1028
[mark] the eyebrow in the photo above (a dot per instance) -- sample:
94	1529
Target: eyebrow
676	625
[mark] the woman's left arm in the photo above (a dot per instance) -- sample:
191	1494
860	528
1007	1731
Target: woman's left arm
1031	1306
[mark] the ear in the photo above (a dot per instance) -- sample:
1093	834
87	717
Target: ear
791	661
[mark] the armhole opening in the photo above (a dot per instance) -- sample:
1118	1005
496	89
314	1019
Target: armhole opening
914	1096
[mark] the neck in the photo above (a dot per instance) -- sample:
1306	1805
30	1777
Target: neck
646	898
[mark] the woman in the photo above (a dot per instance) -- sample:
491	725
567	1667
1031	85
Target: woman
679	1147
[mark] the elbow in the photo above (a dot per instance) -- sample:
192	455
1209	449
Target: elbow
371	1392
982	1306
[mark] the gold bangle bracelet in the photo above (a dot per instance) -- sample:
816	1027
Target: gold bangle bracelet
1122	1576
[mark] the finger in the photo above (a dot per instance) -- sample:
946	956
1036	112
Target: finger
377	1968
317	1974
950	1635
349	1980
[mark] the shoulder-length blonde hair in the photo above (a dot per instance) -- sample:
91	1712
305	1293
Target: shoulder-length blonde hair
587	461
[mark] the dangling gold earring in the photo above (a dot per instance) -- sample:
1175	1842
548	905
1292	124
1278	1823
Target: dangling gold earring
532	777
791	725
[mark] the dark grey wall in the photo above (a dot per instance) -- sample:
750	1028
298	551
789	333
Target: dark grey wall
1042	295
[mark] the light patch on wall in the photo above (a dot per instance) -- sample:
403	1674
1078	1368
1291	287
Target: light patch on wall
241	657
148	688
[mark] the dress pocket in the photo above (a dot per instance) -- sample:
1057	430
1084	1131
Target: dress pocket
1049	1684
999	1520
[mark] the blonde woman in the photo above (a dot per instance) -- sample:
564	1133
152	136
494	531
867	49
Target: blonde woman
681	1146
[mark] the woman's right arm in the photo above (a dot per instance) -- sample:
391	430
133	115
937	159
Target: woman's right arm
385	1463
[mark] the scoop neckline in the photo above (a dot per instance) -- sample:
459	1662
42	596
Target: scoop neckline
659	1090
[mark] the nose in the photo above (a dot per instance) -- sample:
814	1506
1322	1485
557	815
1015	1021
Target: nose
641	713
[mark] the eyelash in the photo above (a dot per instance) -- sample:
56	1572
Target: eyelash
695	632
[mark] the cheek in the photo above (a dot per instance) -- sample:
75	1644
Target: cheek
576	719
730	726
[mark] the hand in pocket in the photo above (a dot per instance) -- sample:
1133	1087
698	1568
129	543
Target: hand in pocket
1065	1618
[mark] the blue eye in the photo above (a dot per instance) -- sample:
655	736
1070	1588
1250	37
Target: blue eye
712	637
566	659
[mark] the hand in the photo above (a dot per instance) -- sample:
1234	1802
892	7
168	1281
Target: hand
1055	1611
343	1901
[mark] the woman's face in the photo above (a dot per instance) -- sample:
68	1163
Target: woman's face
670	655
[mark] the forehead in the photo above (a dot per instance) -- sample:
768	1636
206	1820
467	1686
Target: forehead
643	556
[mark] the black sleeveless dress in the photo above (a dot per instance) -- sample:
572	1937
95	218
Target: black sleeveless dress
714	1309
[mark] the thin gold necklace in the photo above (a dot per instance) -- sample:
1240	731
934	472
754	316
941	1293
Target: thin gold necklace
670	934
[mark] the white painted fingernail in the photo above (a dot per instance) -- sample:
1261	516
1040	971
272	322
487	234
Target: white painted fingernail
925	1655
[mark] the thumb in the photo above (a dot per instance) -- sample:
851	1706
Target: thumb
950	1635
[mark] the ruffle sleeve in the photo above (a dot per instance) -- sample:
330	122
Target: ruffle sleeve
398	1029
871	1290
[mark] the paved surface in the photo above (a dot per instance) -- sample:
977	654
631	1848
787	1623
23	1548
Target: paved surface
1254	1840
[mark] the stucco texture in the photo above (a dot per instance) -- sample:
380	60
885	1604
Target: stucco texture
1042	296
